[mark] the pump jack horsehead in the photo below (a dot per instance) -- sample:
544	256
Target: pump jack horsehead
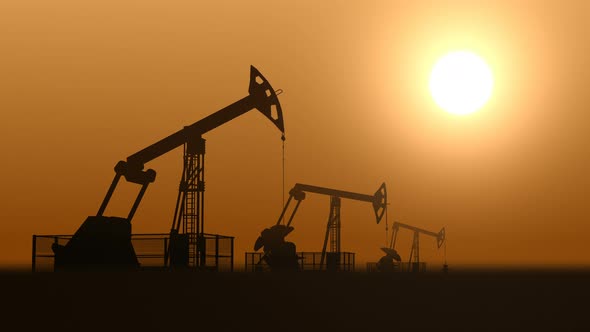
106	241
281	255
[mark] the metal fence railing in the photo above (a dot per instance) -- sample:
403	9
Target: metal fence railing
308	261
399	267
151	251
219	252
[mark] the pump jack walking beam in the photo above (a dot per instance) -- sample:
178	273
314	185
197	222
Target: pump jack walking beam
378	200
261	96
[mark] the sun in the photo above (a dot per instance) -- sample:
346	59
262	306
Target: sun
461	82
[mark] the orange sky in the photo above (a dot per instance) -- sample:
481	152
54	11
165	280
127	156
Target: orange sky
85	84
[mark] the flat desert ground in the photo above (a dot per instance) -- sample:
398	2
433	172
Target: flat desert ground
479	300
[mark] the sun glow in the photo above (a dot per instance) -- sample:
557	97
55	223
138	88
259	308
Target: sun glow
461	82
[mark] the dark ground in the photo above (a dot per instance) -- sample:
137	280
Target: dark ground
556	300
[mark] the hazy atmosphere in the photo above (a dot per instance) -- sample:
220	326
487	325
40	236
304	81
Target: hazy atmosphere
86	84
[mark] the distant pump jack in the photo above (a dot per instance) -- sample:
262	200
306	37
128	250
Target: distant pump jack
281	255
386	262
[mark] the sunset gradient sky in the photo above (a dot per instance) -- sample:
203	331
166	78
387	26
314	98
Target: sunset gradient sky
85	84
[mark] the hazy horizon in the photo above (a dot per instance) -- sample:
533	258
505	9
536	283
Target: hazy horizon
85	85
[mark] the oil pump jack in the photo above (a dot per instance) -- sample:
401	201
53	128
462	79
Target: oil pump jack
281	255
106	241
385	263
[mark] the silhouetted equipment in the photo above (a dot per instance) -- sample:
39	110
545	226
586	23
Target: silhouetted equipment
276	243
386	261
111	234
106	240
282	255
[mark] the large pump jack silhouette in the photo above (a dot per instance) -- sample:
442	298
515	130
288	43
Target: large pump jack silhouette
281	255
106	241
